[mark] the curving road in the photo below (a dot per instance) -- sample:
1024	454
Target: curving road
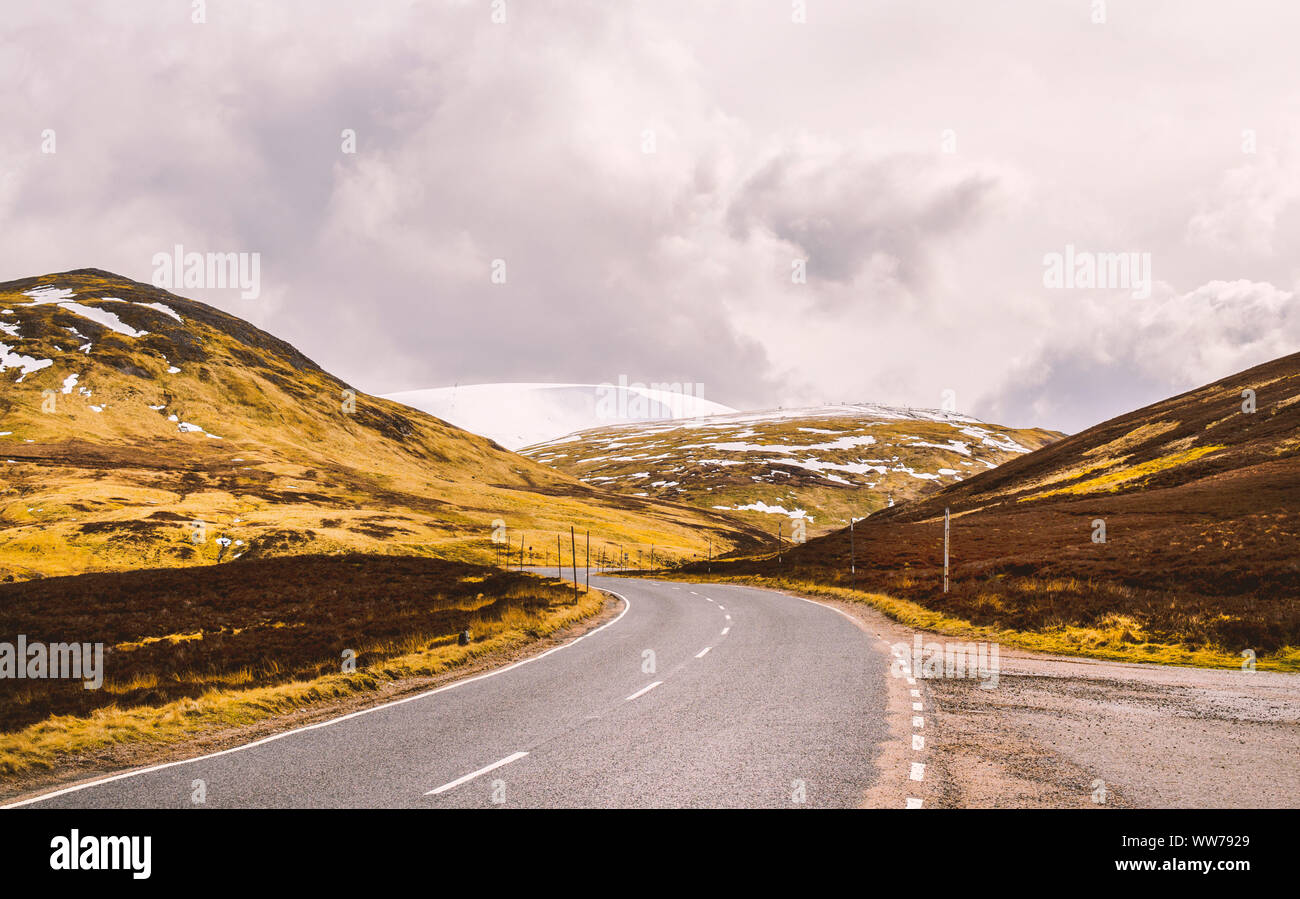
752	699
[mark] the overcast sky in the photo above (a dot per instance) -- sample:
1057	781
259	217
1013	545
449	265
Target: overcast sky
920	157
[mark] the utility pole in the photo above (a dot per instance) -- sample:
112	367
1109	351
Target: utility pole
573	551
521	552
559	560
710	554
778	543
945	549
588	533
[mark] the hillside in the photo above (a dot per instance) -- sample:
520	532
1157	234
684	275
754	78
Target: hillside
819	464
128	413
1198	499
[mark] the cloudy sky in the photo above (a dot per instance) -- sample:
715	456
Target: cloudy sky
651	174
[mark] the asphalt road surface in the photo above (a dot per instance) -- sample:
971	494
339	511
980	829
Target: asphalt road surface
695	696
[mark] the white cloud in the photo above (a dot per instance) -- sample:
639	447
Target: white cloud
1243	214
773	141
1171	344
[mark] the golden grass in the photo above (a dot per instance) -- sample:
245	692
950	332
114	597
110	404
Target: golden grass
290	460
1139	435
1118	638
59	738
1113	480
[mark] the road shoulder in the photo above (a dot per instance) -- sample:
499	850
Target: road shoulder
1065	732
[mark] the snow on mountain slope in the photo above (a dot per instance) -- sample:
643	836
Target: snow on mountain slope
819	465
518	415
139	428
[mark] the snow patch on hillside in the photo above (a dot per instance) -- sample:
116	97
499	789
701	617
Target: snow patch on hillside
519	415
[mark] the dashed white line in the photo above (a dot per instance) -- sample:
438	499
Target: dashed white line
480	772
724	630
721	607
918	771
728	616
913	802
918	741
916	707
916	694
918	721
703	652
644	690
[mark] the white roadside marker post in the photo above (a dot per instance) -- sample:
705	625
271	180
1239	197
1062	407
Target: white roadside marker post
945	549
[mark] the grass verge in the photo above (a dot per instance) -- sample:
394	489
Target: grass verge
71	737
1114	641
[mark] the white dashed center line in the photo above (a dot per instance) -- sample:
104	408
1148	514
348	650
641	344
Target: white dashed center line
644	690
701	654
724	630
481	771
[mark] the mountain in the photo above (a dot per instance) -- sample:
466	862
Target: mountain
1173	525
818	465
517	415
128	413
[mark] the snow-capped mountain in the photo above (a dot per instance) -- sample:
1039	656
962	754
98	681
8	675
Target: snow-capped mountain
817	465
519	415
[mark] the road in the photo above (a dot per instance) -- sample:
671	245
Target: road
694	696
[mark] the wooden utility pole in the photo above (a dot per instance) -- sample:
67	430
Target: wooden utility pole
710	554
521	552
573	551
588	533
945	549
778	543
559	559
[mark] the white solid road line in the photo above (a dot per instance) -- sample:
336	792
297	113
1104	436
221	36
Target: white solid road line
627	604
643	691
701	654
481	771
